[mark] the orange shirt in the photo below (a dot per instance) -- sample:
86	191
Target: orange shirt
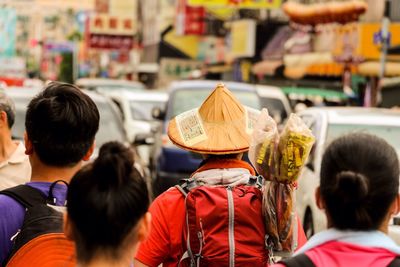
164	244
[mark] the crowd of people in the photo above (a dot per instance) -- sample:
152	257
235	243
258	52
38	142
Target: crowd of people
103	214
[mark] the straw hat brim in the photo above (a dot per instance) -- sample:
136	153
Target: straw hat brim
203	137
50	250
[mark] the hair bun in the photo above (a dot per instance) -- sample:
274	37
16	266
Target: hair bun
352	187
114	164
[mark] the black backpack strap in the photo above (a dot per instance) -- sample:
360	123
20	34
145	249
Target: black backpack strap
395	262
25	195
301	260
256	181
185	185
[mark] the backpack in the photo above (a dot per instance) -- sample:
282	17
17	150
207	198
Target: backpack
41	240
224	225
302	260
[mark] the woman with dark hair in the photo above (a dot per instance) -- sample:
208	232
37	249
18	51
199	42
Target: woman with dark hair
107	209
359	192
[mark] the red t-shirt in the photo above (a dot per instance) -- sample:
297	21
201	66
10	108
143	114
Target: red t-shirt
340	254
164	244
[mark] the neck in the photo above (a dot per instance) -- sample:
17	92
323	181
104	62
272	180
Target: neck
7	146
45	173
107	262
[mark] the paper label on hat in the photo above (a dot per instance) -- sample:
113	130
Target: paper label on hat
190	127
251	118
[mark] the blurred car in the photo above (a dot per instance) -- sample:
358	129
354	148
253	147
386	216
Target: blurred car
136	109
102	84
173	163
110	128
275	100
326	125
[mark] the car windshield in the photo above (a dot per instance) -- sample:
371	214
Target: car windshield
389	133
185	100
109	129
275	107
108	88
141	110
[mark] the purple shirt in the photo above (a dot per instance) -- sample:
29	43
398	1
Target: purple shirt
12	214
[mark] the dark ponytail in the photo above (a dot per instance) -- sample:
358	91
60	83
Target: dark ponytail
359	181
106	199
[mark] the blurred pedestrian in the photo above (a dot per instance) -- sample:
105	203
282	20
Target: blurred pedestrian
14	164
359	192
61	123
220	223
107	209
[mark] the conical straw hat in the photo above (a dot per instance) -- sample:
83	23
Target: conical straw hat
220	126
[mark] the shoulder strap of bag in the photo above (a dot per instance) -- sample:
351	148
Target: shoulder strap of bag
185	185
301	260
395	262
25	195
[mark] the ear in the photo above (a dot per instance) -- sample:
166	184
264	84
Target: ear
89	152
395	207
3	119
67	227
318	199
28	145
144	228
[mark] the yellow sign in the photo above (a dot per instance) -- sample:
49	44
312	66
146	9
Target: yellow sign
243	38
370	39
254	4
188	44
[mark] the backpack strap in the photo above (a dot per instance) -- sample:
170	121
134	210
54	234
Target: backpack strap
256	181
25	195
395	262
301	260
185	185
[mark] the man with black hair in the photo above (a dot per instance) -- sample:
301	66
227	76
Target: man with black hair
14	164
61	123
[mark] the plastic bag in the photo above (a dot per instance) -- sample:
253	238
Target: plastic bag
263	144
295	143
279	159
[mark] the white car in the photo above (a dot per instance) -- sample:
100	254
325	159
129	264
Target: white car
103	84
275	100
326	125
136	111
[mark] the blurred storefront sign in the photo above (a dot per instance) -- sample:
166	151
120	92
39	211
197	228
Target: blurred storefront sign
370	39
174	69
8	22
211	50
187	44
12	67
271	4
111	32
189	20
117	7
150	13
243	34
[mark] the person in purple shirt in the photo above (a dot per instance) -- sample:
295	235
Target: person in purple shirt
61	123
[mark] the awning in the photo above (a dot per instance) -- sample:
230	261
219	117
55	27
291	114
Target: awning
372	68
311	93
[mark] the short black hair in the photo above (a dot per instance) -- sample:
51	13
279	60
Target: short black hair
106	200
359	181
61	122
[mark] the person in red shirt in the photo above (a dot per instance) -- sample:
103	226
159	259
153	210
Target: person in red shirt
219	131
359	192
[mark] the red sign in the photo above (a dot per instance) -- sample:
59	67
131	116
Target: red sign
106	41
190	20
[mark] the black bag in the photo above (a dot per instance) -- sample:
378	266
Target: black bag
41	217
